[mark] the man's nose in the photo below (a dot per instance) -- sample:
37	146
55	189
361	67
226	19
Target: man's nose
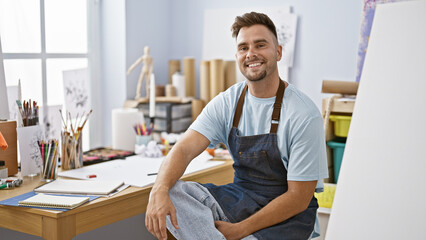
251	53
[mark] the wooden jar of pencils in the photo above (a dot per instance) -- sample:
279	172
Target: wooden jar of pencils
49	155
72	153
71	139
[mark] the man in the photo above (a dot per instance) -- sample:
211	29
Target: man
276	141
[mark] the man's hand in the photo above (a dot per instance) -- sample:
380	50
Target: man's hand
159	206
231	231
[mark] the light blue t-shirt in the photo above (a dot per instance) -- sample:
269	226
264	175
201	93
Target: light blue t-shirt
300	132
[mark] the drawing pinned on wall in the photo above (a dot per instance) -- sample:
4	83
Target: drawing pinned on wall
51	121
286	24
76	91
29	151
366	23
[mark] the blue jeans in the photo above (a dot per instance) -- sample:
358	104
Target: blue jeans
196	211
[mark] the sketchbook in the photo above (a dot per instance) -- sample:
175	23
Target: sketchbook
83	187
52	201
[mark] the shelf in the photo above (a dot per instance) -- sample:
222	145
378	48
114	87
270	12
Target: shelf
339	106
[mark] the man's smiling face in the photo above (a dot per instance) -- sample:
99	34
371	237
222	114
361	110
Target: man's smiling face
257	52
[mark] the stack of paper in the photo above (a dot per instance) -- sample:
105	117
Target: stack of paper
84	187
52	201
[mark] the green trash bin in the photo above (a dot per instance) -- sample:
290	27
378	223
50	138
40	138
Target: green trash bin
338	148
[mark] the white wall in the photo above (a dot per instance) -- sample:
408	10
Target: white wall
113	65
327	37
326	47
148	23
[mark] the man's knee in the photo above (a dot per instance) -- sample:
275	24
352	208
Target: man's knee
186	190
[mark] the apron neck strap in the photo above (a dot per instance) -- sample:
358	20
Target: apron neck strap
275	113
239	110
277	107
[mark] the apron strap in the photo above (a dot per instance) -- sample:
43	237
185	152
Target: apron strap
277	108
239	110
275	113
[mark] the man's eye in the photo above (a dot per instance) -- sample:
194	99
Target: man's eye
243	48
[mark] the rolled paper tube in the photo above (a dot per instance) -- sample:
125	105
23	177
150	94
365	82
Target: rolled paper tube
174	66
170	90
189	73
342	87
197	107
160	91
230	73
217	77
152	96
205	81
180	84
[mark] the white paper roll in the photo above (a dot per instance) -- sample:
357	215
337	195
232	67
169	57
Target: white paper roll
179	82
123	134
152	96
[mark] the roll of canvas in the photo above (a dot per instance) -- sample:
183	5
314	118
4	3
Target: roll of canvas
160	90
189	73
170	90
205	81
179	82
217	77
123	135
197	107
174	66
342	87
230	73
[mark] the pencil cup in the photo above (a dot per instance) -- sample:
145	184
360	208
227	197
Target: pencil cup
72	154
49	154
143	140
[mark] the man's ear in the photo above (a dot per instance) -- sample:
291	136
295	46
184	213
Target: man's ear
279	52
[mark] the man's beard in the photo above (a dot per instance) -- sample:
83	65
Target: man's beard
256	78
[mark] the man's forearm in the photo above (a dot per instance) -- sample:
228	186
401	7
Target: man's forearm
174	165
280	209
171	169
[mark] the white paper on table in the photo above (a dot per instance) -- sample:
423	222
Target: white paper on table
29	151
134	170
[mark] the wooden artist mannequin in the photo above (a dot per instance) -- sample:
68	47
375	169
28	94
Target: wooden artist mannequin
146	71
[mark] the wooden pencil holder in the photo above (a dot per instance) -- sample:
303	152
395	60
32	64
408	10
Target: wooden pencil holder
72	154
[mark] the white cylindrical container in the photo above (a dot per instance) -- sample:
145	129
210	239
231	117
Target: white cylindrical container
179	82
152	96
123	121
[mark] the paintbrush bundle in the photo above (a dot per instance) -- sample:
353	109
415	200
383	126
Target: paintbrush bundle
71	138
29	112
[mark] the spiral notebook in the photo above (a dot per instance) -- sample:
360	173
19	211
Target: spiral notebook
88	187
52	201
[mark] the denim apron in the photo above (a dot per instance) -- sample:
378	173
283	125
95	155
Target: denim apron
260	177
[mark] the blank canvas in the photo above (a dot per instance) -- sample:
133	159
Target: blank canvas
381	191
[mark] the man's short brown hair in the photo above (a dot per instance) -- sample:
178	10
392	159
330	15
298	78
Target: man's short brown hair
250	19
